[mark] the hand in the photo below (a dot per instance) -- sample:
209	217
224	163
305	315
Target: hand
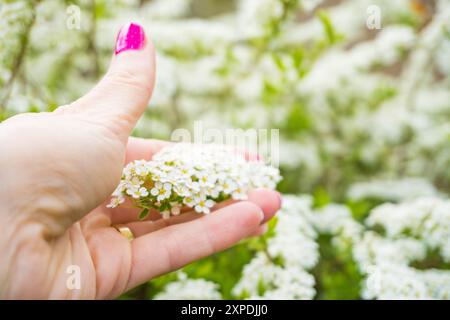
57	171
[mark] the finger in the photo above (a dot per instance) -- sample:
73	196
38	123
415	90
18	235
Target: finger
140	228
121	97
127	212
143	149
249	155
175	246
269	201
261	230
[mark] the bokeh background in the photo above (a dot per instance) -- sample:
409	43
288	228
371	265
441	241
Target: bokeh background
360	91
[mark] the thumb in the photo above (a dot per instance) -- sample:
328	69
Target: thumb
121	97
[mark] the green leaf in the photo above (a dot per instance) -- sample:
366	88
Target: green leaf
261	287
321	197
143	214
332	36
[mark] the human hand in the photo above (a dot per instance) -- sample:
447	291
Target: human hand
57	171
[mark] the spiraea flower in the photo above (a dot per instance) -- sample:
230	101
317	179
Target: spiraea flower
185	288
281	271
193	175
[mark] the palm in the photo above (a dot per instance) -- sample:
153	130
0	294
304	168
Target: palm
82	176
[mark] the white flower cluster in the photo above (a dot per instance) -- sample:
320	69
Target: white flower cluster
388	274
255	16
294	244
262	279
337	220
374	250
189	289
392	190
401	282
167	9
336	67
193	175
426	219
412	229
294	235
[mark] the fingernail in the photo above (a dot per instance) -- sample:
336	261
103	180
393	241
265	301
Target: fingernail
280	200
131	37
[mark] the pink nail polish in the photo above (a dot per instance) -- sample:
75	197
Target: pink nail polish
131	37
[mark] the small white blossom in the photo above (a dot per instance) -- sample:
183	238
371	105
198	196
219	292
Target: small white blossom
161	190
227	186
175	209
165	214
115	202
137	192
204	206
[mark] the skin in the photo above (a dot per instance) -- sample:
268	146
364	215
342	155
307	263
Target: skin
57	171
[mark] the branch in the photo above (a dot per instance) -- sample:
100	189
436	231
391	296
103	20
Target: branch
91	40
19	61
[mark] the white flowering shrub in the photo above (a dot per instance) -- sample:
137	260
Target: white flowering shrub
363	117
192	289
427	220
280	271
413	230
